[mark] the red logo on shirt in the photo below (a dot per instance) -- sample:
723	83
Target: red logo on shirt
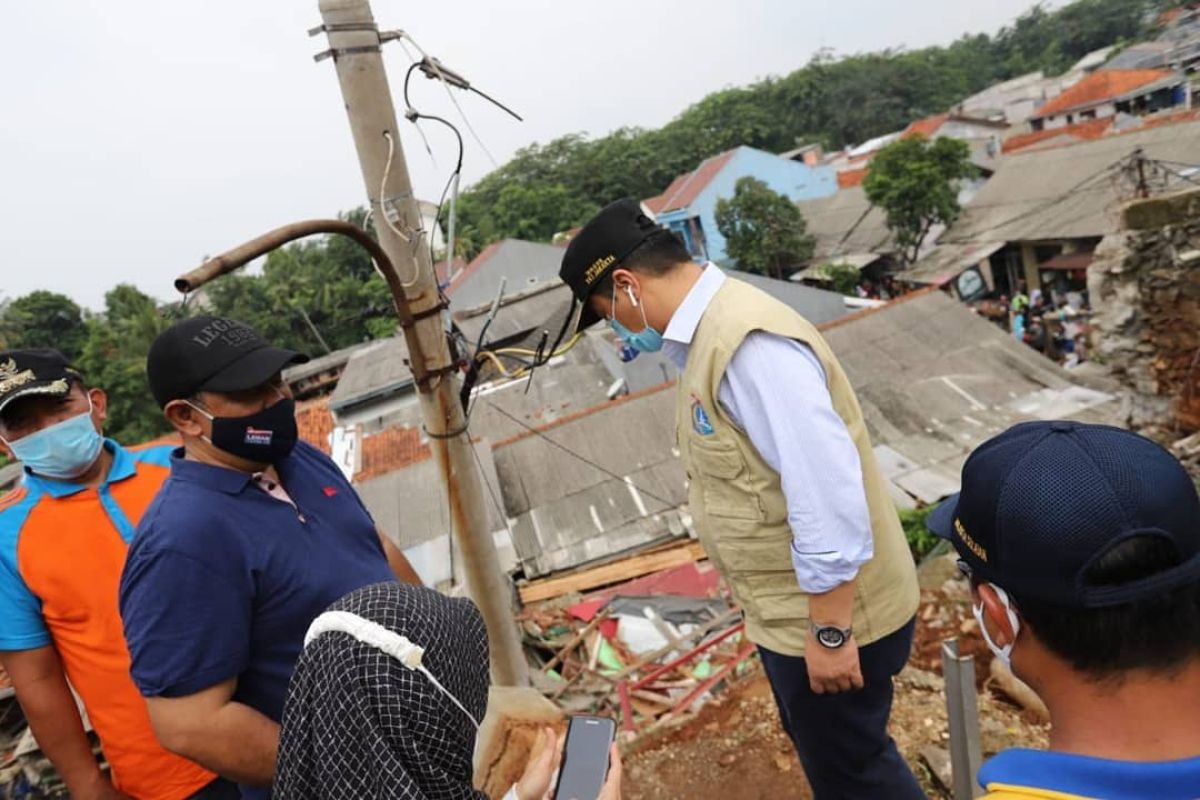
330	491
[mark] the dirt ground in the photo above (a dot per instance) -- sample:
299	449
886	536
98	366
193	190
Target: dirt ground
735	749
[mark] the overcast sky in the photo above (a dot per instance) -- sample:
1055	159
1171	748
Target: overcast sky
139	136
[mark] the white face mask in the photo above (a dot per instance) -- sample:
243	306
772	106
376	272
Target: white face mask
1002	653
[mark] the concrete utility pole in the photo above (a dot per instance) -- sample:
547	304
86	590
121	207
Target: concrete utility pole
355	48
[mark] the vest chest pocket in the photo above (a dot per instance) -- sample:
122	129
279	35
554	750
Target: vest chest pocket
724	481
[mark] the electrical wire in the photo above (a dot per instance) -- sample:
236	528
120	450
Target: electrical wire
451	184
541	435
387	169
521	351
446	84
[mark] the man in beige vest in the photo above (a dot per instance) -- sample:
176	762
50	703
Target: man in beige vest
783	486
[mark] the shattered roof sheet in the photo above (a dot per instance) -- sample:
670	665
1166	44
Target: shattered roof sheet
935	380
569	509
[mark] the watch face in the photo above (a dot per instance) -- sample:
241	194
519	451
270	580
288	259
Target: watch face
831	637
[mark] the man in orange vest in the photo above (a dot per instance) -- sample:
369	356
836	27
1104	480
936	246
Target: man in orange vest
64	533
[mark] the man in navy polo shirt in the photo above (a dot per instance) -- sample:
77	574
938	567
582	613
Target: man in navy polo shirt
1082	543
250	538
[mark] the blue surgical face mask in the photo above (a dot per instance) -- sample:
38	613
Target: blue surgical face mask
647	340
63	451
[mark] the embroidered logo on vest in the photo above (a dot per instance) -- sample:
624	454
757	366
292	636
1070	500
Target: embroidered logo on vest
700	422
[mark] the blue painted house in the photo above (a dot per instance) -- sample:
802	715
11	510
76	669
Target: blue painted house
688	206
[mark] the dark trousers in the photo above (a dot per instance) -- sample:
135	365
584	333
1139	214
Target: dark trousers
220	789
842	739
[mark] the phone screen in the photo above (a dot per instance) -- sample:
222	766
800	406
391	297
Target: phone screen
585	758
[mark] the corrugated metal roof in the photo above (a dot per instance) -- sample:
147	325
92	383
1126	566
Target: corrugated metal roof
374	371
684	190
1064	192
848	211
523	264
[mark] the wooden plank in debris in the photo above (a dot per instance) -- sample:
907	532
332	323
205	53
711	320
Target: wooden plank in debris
615	572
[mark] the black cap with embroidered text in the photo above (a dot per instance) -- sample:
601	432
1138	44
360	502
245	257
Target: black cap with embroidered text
212	354
1041	502
34	372
600	247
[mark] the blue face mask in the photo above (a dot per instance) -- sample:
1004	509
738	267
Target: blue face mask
647	340
63	451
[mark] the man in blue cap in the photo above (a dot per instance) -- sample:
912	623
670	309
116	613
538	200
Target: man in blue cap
1082	545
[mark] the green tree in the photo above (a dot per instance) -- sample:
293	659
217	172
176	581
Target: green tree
114	359
916	181
44	319
764	230
834	100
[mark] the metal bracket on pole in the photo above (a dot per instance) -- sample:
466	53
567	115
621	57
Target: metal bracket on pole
962	708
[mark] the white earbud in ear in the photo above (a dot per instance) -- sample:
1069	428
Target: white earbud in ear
632	299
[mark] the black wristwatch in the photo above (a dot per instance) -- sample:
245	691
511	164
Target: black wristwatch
830	636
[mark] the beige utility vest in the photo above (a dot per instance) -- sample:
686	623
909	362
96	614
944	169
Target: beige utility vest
736	498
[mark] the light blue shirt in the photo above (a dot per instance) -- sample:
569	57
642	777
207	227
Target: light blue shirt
775	390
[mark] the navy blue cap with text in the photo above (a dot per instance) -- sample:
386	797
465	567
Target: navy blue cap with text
1043	500
604	242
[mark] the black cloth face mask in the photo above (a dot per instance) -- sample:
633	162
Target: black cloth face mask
264	437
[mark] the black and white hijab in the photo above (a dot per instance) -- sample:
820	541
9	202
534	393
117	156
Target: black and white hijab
386	699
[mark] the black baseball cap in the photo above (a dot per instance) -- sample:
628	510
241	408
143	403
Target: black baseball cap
600	247
1043	500
41	372
212	354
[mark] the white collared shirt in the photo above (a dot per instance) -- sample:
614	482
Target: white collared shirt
775	390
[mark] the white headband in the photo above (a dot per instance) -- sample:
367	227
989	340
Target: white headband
379	637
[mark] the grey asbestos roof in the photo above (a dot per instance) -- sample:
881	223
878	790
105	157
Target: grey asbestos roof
523	264
846	222
410	504
818	306
374	371
1066	192
622	490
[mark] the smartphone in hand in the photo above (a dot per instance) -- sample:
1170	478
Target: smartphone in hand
585	758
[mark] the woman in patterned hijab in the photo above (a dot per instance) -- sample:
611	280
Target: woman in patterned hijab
386	700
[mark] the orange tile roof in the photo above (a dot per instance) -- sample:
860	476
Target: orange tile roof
684	190
1102	85
1086	130
851	177
1172	118
927	127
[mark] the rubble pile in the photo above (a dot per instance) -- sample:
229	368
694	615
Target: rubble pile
645	652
